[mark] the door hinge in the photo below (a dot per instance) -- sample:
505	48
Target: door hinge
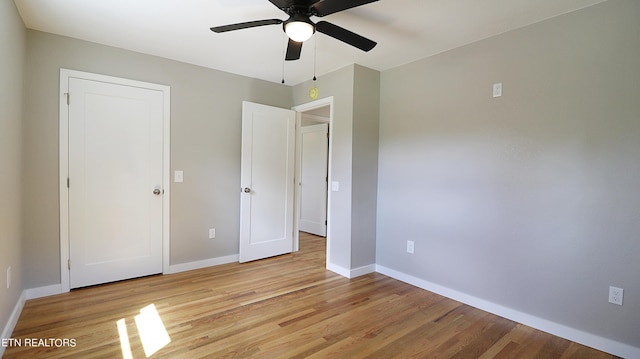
69	264
68	182
68	98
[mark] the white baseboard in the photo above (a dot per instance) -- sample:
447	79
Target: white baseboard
575	335
40	292
183	267
13	320
339	270
360	271
351	273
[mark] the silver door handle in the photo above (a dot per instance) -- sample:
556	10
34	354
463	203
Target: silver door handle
246	190
157	191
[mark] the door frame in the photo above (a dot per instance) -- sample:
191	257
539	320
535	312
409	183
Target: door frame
299	109
65	75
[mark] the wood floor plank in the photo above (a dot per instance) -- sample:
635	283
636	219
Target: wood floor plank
288	306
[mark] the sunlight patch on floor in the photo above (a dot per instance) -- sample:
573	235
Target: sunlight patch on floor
153	333
124	339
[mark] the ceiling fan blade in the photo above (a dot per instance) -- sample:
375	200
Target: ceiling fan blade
245	25
282	4
345	35
327	7
293	50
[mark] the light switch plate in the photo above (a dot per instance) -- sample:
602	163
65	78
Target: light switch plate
178	176
335	186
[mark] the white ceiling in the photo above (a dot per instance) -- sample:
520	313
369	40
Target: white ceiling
406	30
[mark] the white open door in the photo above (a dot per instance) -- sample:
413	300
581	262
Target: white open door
313	179
267	181
115	182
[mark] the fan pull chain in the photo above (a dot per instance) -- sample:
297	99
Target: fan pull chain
315	55
282	71
283	58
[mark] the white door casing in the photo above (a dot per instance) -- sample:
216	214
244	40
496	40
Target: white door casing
114	225
267	181
313	192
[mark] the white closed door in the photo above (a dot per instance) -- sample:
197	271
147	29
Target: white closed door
115	182
267	181
313	191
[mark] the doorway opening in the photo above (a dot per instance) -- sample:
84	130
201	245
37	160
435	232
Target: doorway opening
313	172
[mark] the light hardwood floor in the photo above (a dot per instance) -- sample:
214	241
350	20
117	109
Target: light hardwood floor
282	307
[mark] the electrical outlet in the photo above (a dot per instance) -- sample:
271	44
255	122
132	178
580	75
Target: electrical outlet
212	233
8	277
410	247
615	295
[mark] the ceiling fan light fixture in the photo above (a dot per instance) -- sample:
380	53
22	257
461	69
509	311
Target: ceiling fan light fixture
299	31
299	27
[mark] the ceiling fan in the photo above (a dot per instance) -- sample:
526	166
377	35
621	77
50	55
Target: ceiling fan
299	26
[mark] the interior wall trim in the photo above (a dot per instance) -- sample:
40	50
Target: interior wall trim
13	320
183	267
45	291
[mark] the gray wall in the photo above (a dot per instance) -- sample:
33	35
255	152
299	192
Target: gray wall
531	200
366	115
205	143
12	55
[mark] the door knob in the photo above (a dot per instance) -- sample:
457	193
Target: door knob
247	190
157	191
